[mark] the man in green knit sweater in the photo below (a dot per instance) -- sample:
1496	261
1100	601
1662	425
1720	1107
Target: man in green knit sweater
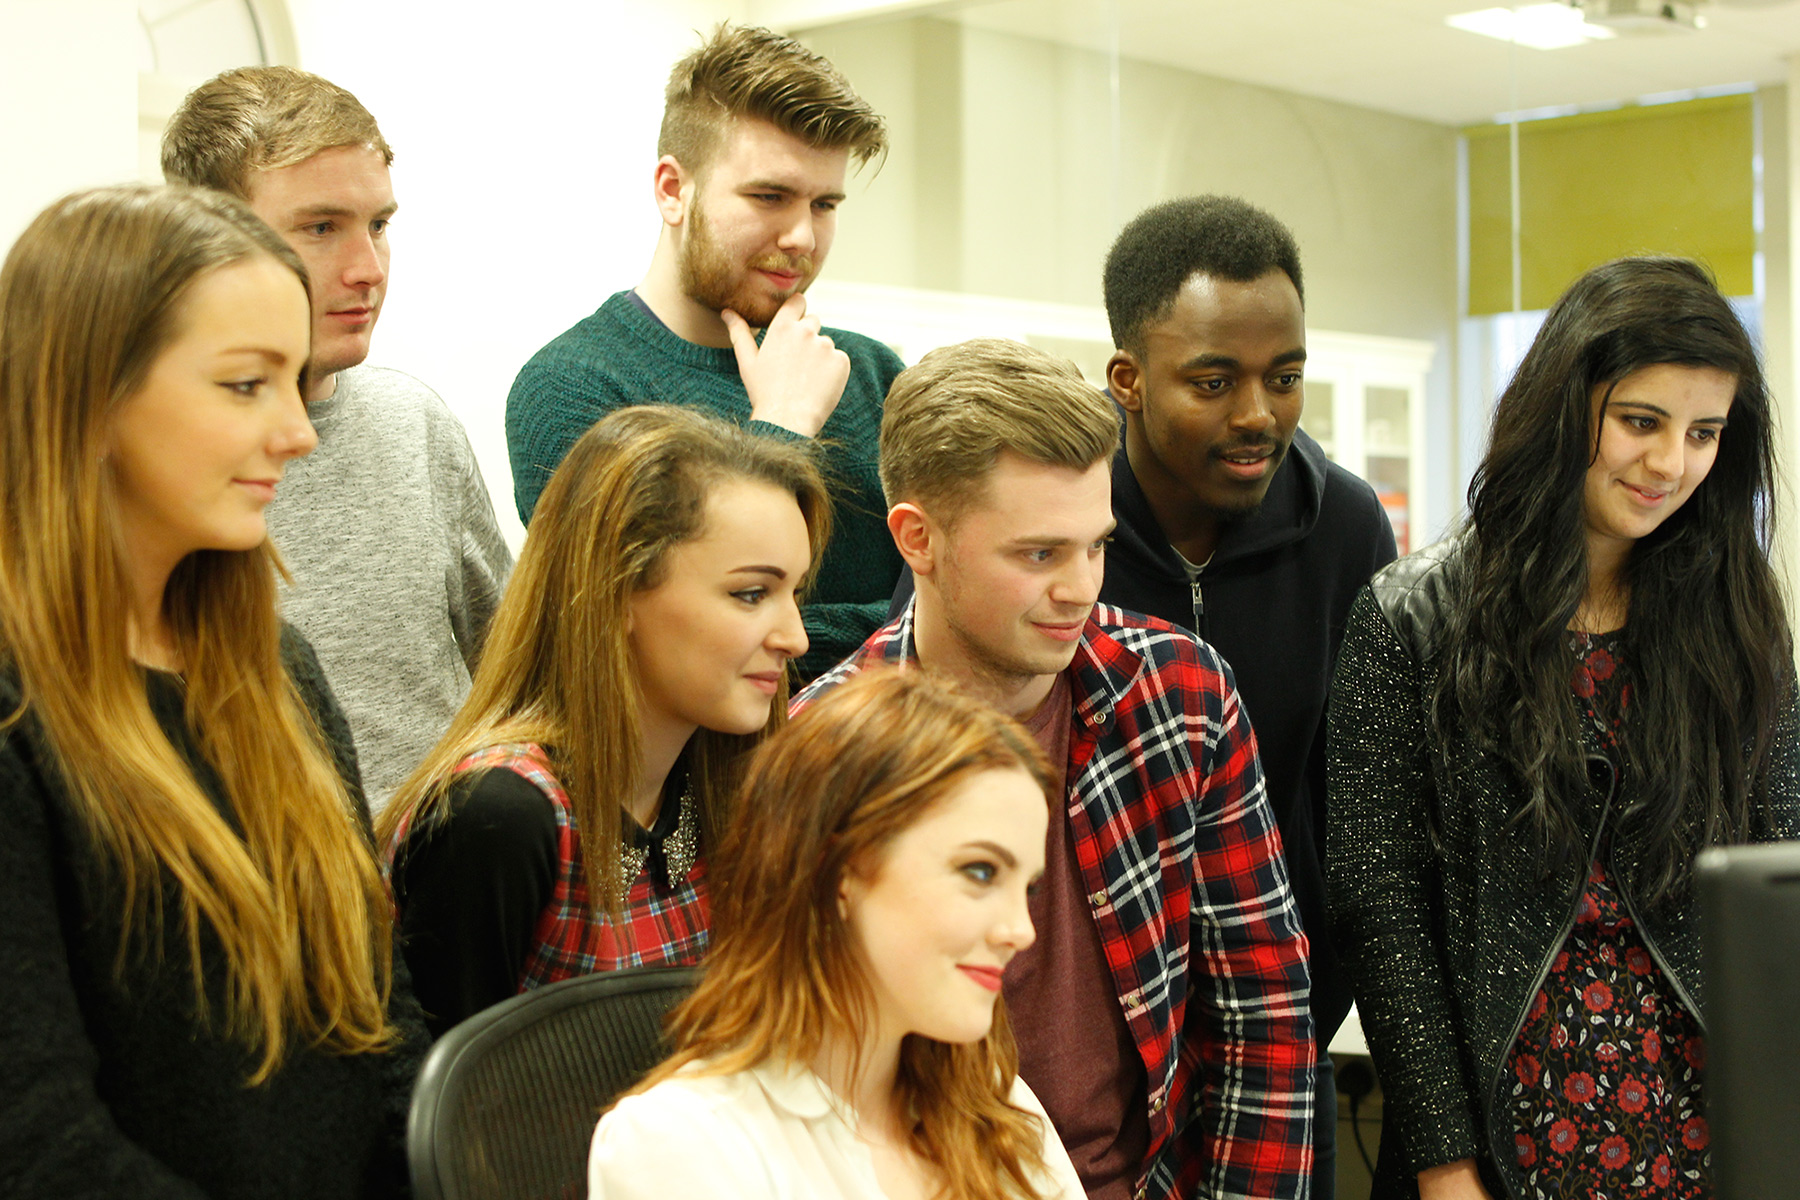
757	137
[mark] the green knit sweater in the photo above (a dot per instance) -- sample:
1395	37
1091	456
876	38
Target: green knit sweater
622	355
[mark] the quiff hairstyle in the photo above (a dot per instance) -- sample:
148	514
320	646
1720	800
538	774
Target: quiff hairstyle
1166	245
823	802
947	418
261	119
743	71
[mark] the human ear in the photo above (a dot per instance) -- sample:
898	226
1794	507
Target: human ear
673	188
914	536
1123	379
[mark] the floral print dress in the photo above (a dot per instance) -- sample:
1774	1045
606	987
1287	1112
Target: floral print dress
1606	1072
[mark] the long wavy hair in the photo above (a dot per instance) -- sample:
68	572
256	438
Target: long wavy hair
822	801
557	667
1706	642
93	291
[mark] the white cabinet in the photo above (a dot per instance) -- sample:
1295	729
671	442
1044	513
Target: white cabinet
1365	404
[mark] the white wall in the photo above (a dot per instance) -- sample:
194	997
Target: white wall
524	138
68	102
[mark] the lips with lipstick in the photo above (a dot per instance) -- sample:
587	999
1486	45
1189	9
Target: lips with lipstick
768	682
987	977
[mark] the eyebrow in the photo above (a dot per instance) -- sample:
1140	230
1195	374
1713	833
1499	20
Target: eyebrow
313	211
1000	852
769	185
274	356
1202	361
760	569
1642	406
1046	542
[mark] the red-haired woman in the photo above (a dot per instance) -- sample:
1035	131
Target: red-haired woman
848	1038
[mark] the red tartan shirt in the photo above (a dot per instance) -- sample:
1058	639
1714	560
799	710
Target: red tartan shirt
1180	855
666	923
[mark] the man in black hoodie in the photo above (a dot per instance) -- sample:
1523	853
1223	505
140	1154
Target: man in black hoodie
1232	522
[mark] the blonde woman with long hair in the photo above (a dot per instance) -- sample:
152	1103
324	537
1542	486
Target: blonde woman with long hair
848	1041
561	825
197	996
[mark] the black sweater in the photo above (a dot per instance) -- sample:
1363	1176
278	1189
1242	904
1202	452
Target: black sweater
1273	601
111	1087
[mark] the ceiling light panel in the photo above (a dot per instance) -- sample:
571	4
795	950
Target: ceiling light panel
1539	26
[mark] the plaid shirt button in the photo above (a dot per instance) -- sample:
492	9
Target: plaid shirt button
1097	899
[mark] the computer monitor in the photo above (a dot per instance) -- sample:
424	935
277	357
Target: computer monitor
1750	907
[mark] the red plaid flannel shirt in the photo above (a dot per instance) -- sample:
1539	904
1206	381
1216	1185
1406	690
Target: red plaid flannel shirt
1179	851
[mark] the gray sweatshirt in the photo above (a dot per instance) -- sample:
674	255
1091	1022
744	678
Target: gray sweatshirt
397	563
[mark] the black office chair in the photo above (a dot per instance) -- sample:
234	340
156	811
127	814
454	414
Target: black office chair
506	1103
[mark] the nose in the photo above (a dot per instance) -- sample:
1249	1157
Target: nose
1013	930
799	237
365	260
1252	413
1079	584
787	637
294	435
1666	456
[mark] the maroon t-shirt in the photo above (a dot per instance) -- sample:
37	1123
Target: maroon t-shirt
1074	1048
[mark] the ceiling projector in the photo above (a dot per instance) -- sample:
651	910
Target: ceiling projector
1643	16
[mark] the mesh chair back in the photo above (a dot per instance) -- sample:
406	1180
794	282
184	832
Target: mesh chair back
506	1104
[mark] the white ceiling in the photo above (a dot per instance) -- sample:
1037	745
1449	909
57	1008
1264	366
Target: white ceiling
1394	55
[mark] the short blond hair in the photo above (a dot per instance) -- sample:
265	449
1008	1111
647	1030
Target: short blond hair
948	417
746	71
261	119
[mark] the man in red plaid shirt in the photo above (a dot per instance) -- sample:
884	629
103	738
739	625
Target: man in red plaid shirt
1162	1013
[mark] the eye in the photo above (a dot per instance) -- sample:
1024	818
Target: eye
1287	381
245	387
980	872
1704	433
380	225
829	206
1212	385
1638	421
767	197
1101	545
317	228
751	596
1038	556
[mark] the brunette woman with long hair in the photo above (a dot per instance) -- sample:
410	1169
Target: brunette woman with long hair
1536	726
561	825
848	1038
197	991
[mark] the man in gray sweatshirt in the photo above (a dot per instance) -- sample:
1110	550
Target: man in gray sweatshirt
387	527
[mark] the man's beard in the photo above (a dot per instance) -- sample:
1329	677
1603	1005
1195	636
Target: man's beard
711	278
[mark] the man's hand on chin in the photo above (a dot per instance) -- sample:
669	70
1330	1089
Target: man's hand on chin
796	376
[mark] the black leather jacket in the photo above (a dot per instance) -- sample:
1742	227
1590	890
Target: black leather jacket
1447	920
